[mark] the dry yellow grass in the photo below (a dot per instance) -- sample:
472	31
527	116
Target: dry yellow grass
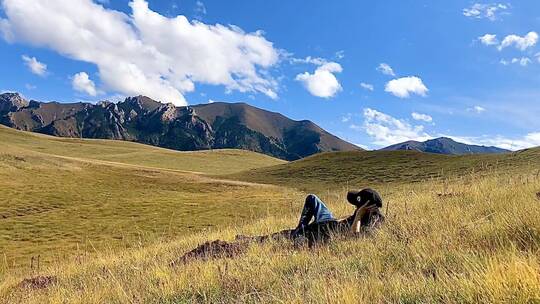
137	155
475	238
59	195
468	240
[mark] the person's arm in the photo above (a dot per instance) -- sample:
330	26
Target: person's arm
355	227
359	214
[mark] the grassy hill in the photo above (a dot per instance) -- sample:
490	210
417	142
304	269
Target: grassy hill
209	162
57	195
363	168
459	229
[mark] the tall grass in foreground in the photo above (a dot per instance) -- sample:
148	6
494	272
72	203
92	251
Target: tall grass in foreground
461	241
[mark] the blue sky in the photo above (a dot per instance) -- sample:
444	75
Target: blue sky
372	72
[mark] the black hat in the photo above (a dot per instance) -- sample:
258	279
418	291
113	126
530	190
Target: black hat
360	198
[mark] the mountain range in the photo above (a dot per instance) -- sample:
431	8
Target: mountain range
201	127
216	125
444	145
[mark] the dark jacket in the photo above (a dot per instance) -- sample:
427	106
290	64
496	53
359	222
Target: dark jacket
323	232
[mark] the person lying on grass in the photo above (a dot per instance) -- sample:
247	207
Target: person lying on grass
366	216
317	224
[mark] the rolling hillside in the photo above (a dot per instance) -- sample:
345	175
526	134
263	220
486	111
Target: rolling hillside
106	229
210	162
59	194
471	240
364	168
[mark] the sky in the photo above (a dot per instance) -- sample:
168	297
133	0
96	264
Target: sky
374	73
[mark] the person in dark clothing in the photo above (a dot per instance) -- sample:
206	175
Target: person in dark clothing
367	215
317	224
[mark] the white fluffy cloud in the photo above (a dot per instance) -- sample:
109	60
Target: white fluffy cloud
36	67
523	61
367	86
521	43
322	83
82	83
387	130
488	11
145	52
386	69
313	60
528	141
489	39
308	60
517	143
421	117
404	87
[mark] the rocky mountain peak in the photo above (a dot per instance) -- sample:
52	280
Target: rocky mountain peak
104	103
12	102
169	112
142	103
444	145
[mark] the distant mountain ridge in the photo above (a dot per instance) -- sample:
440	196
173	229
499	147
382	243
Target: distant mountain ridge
199	127
444	145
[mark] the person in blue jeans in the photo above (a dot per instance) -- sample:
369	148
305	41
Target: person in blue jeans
314	209
317	224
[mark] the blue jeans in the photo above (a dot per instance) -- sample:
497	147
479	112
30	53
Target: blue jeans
314	209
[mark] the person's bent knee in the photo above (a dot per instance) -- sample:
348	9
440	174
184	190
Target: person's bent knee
311	199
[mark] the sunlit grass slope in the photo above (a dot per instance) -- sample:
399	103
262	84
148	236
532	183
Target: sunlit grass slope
361	168
57	195
468	240
459	229
209	162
